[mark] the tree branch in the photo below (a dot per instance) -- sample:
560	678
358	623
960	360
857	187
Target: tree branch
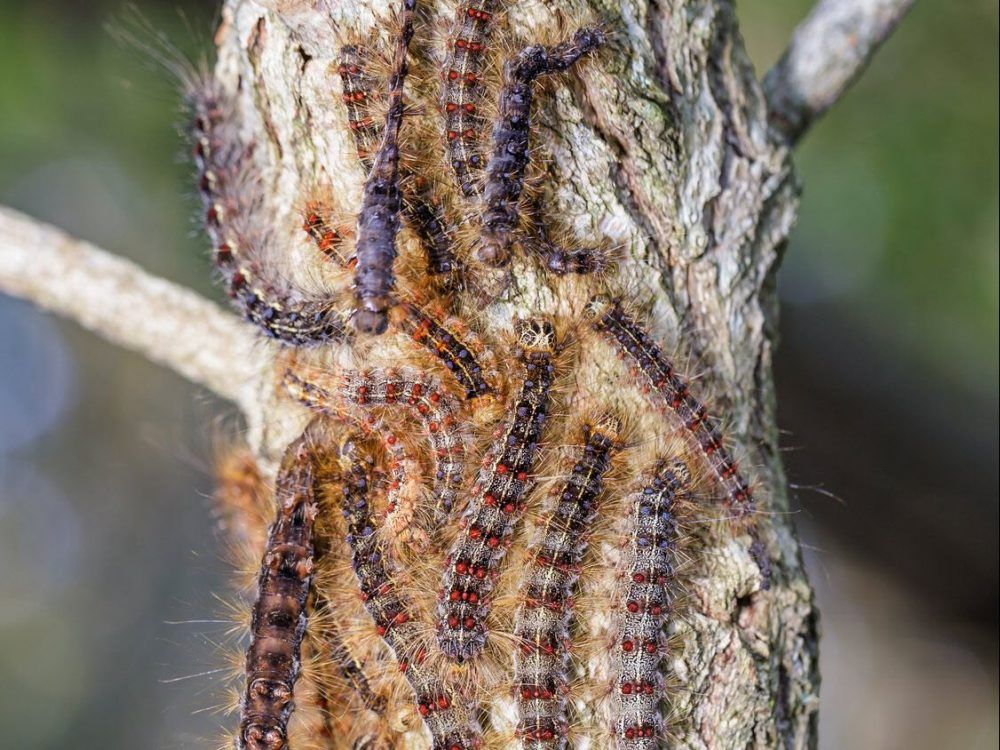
119	301
828	51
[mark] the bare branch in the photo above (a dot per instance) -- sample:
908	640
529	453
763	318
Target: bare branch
116	299
828	51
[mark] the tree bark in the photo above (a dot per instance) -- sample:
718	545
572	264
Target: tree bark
664	147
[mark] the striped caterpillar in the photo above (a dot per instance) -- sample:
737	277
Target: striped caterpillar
609	318
499	501
646	598
542	621
278	625
448	716
224	172
462	92
457	356
436	411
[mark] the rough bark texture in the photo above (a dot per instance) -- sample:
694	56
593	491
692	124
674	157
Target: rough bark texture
664	147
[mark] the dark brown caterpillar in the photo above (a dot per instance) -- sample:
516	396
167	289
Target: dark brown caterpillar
278	623
448	716
542	621
424	214
421	208
378	219
224	173
498	502
645	607
509	155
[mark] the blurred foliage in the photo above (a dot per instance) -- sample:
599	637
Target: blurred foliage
899	215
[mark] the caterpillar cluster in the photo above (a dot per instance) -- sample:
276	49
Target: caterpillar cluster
450	378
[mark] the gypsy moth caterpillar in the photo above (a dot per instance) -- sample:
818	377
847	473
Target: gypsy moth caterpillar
542	620
436	411
278	623
358	92
378	219
462	92
509	155
645	606
627	334
448	716
421	208
456	356
498	501
225	185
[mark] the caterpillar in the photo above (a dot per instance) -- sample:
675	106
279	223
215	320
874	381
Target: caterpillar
498	501
425	215
509	155
542	621
278	623
436	411
449	719
378	219
609	318
462	92
328	239
645	606
224	176
358	91
447	346
420	207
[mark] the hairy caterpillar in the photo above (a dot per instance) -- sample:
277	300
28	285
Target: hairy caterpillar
378	219
498	503
457	357
279	615
449	719
358	90
328	239
509	156
627	334
541	625
462	92
646	599
420	207
436	411
609	317
224	174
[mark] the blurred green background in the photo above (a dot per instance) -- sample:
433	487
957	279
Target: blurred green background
887	382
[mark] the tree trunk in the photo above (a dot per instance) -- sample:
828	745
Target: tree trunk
662	146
